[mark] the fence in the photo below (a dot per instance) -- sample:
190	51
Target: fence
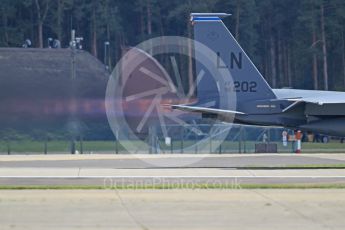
188	139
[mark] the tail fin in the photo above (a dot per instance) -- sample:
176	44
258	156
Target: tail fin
249	84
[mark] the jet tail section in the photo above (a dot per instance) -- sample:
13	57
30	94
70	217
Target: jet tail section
248	83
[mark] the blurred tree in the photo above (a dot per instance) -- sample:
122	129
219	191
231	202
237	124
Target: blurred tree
42	7
293	43
61	7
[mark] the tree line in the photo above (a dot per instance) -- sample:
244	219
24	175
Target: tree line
294	43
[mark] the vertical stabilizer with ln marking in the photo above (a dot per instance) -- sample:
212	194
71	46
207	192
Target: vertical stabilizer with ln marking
248	83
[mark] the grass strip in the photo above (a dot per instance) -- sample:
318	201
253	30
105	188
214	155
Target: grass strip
186	186
308	166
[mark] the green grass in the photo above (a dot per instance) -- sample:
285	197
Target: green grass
249	147
110	146
329	147
293	186
187	186
307	166
63	146
35	146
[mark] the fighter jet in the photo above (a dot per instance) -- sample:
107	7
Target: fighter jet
256	102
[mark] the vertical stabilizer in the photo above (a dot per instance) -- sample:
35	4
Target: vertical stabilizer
248	83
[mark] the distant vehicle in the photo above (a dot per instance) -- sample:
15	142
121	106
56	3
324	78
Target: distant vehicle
257	103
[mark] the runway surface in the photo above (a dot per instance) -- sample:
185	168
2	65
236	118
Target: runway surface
167	161
173	209
123	170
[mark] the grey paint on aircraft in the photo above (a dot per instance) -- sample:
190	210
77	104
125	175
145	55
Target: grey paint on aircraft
248	83
258	104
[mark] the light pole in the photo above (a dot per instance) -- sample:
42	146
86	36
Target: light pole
106	47
74	45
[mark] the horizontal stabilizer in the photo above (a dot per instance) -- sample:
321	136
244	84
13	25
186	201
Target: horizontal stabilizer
205	110
311	96
320	100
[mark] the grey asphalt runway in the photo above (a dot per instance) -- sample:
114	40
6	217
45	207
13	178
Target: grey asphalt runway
162	182
123	170
173	209
134	208
169	161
